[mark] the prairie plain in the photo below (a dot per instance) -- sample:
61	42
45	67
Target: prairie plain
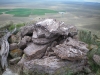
84	15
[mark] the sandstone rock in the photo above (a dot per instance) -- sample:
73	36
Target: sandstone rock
71	50
15	60
96	58
35	51
13	46
16	53
52	66
27	30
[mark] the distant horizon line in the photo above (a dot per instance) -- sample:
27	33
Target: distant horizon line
47	1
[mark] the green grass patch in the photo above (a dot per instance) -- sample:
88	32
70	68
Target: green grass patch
0	13
26	12
91	39
17	26
3	10
42	11
20	12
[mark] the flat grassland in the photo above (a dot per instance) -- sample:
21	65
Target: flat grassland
22	12
83	15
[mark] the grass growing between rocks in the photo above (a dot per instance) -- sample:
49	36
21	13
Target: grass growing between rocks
93	42
17	26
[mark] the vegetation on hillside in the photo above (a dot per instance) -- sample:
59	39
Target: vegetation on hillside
93	42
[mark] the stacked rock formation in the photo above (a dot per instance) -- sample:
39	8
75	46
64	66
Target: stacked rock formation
48	47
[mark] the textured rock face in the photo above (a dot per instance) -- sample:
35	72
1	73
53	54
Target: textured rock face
54	26
35	51
52	66
71	50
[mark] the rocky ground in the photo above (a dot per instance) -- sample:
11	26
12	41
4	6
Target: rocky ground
49	47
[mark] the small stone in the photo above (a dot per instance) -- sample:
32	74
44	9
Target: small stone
35	51
13	46
16	53
13	39
15	60
23	43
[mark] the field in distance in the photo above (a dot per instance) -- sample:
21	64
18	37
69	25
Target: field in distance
22	12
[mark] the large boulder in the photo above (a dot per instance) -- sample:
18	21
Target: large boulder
35	51
56	27
40	36
71	49
51	66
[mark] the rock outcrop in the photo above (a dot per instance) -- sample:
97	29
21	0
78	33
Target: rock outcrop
48	47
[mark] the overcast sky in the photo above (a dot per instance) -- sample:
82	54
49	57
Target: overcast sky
49	0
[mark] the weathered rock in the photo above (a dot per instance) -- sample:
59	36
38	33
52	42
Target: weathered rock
43	41
96	58
55	27
13	46
16	53
27	30
35	51
43	33
23	43
52	66
13	39
15	60
23	59
71	50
